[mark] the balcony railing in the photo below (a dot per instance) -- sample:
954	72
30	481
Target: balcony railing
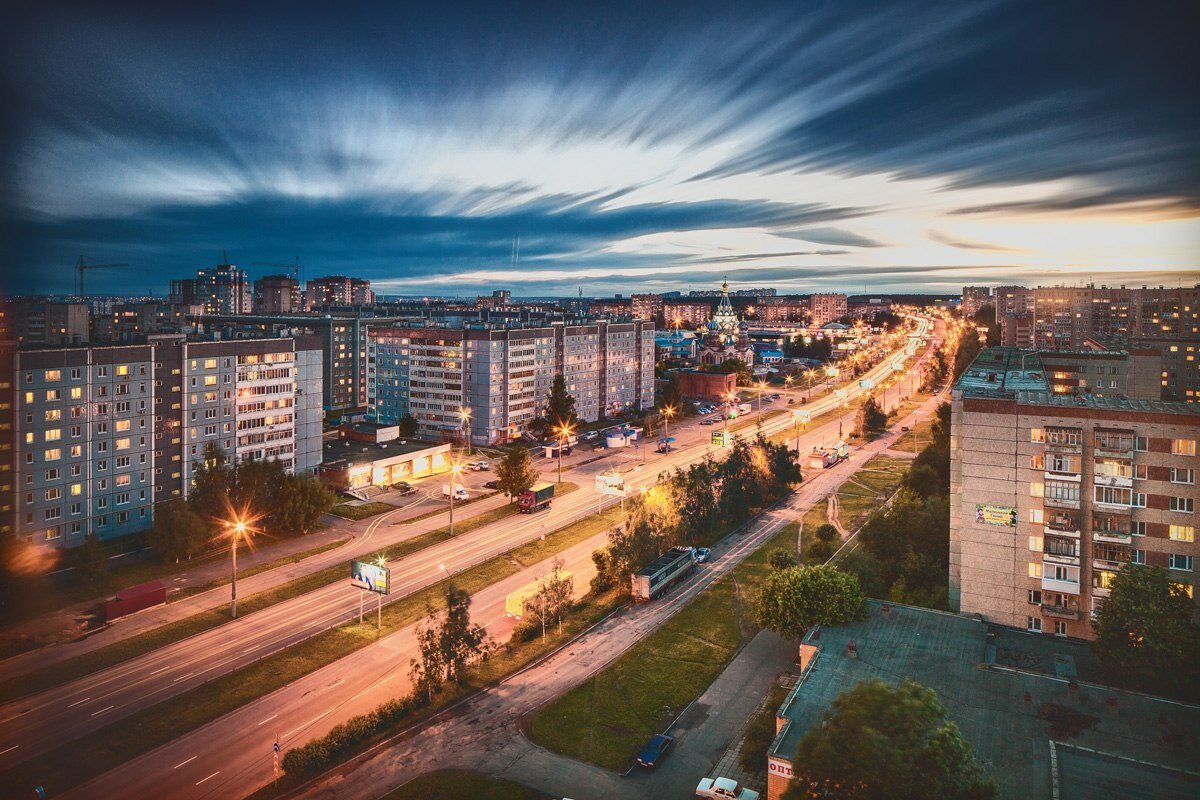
1114	444
1060	502
1070	559
1065	587
1113	535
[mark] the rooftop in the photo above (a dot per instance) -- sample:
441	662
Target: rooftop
1123	744
359	452
1011	373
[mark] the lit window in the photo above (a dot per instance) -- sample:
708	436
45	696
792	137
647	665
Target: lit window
1183	447
1182	533
1035	569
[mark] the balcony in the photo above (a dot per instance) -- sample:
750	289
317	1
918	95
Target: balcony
1066	587
1064	440
1100	591
1120	481
1052	475
1062	557
1060	612
1112	508
1060	502
1114	443
1112	535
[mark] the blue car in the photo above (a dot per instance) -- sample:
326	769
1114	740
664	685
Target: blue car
654	750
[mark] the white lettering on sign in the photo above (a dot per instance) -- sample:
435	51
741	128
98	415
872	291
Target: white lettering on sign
783	769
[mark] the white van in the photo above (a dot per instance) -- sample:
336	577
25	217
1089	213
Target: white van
459	491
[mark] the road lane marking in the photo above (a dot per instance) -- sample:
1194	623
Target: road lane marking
305	725
101	711
163	669
9	750
254	647
268	719
181	677
77	702
202	780
181	763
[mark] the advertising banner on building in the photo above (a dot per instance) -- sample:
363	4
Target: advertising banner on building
371	577
1004	516
777	766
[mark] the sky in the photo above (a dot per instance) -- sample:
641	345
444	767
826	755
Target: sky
809	146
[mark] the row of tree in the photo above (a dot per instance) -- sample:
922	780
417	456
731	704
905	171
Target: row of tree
906	545
692	506
282	504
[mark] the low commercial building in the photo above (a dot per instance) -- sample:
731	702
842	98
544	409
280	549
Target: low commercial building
996	686
1052	492
714	386
352	465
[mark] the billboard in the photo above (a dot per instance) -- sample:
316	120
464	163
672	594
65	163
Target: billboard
371	577
777	766
720	438
610	484
1004	516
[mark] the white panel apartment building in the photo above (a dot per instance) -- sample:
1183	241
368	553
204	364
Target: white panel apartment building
502	376
104	433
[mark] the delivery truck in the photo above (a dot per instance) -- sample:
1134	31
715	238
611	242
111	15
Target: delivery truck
659	575
517	604
535	498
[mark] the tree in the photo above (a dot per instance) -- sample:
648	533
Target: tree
553	598
407	426
212	481
300	503
672	395
428	669
460	641
560	405
793	600
178	533
882	742
822	544
256	485
871	419
780	558
1145	631
515	472
923	480
89	560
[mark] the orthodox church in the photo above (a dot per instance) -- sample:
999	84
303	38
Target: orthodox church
723	338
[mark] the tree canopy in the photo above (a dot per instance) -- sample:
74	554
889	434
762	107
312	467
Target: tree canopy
1146	632
870	419
794	599
515	472
882	742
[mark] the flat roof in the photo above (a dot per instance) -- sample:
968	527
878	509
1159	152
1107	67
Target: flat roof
358	452
1145	745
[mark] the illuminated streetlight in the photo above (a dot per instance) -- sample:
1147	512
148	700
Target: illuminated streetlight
464	416
455	471
667	412
564	432
239	528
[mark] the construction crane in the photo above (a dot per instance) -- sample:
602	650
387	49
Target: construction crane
81	268
294	267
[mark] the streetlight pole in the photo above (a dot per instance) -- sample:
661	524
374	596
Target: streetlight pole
465	417
454	471
239	529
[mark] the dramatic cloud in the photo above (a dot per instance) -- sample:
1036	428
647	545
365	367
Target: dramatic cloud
663	141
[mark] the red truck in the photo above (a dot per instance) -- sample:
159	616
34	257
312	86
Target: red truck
536	498
135	598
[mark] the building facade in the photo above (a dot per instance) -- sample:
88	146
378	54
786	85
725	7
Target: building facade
338	290
277	294
827	307
687	313
222	289
103	433
647	306
43	321
1050	494
973	299
493	380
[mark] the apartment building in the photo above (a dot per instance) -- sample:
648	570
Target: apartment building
43	321
277	294
105	432
827	307
975	298
647	306
773	311
338	290
126	322
1050	493
687	313
498	377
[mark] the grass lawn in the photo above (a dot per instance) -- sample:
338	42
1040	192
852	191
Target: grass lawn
78	761
882	473
815	517
361	511
606	719
915	439
455	785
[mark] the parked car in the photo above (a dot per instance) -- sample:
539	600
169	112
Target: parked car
724	789
492	485
459	492
591	435
702	555
904	429
404	487
791	400
706	421
654	750
479	466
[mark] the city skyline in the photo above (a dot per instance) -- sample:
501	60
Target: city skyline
810	149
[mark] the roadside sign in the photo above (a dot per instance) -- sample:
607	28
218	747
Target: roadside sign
720	438
610	484
372	577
